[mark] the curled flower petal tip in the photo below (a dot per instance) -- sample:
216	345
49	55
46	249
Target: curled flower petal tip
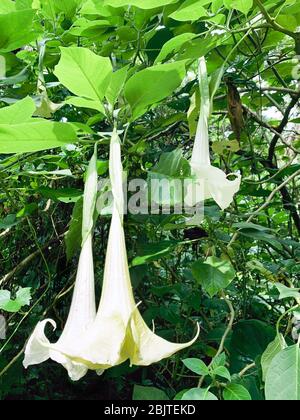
150	348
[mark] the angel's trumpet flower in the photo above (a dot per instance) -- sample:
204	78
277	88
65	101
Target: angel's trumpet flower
83	308
119	331
214	181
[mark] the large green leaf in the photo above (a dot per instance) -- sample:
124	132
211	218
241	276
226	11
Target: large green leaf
20	112
16	29
142	4
173	46
241	5
154	252
35	136
150	86
7	6
190	10
173	165
214	274
273	348
249	340
23	298
85	74
236	392
116	85
52	8
197	366
200	394
283	376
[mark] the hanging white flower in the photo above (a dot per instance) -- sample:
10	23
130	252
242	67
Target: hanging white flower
83	308
214	182
119	331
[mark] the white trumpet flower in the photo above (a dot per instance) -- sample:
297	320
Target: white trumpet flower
83	308
119	331
214	182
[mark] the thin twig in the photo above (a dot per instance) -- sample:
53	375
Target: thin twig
225	335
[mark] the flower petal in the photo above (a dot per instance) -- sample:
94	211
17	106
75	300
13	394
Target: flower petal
220	188
37	349
83	308
150	348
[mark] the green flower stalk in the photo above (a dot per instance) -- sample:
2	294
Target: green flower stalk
215	182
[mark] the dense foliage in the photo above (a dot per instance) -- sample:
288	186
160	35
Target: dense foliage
237	273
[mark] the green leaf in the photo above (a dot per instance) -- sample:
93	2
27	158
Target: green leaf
35	136
8	222
288	22
4	297
218	361
196	366
7	6
150	86
84	73
116	85
53	8
65	195
190	10
236	392
173	165
85	103
142	4
23	298
16	30
154	252
251	226
67	7
144	393
283	376
287	292
214	274
271	351
19	112
249	340
243	6
223	372
27	210
195	394
173	46
198	47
